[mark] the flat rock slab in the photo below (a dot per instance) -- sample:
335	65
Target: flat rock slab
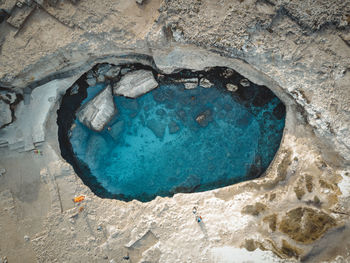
135	84
18	16
96	113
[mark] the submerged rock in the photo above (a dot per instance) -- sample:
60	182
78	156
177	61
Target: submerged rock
158	128
173	127
5	114
191	183
279	111
96	113
204	118
135	83
96	150
116	130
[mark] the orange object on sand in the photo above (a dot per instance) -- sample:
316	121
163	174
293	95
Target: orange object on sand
78	199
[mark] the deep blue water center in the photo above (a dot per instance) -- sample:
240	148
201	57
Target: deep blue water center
177	140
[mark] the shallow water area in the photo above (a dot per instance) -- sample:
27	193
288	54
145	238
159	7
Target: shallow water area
176	140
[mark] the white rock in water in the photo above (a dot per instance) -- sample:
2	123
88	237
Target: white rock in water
96	113
135	83
231	87
205	83
244	83
5	113
190	83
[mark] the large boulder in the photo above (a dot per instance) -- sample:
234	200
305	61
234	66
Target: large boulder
135	83
5	114
96	113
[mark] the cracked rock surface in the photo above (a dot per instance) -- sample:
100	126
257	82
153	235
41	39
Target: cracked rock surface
96	113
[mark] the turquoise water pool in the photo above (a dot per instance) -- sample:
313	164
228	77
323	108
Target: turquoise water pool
176	140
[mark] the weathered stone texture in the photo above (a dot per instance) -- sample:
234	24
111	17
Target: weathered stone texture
96	113
135	84
5	114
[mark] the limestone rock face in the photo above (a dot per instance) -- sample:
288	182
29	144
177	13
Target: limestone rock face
99	111
135	83
5	114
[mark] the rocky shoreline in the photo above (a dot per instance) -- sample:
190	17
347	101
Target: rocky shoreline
298	211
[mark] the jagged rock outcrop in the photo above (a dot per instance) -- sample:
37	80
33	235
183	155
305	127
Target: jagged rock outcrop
135	84
96	113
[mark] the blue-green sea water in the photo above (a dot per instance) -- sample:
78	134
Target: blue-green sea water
176	140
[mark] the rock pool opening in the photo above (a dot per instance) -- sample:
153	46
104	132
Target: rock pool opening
196	131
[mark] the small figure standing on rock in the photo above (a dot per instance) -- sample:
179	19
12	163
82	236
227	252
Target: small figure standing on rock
198	217
126	257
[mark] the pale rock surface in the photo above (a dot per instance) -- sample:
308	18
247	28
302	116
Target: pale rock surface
96	113
205	83
231	87
190	83
19	15
2	171
5	113
9	97
113	72
135	84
